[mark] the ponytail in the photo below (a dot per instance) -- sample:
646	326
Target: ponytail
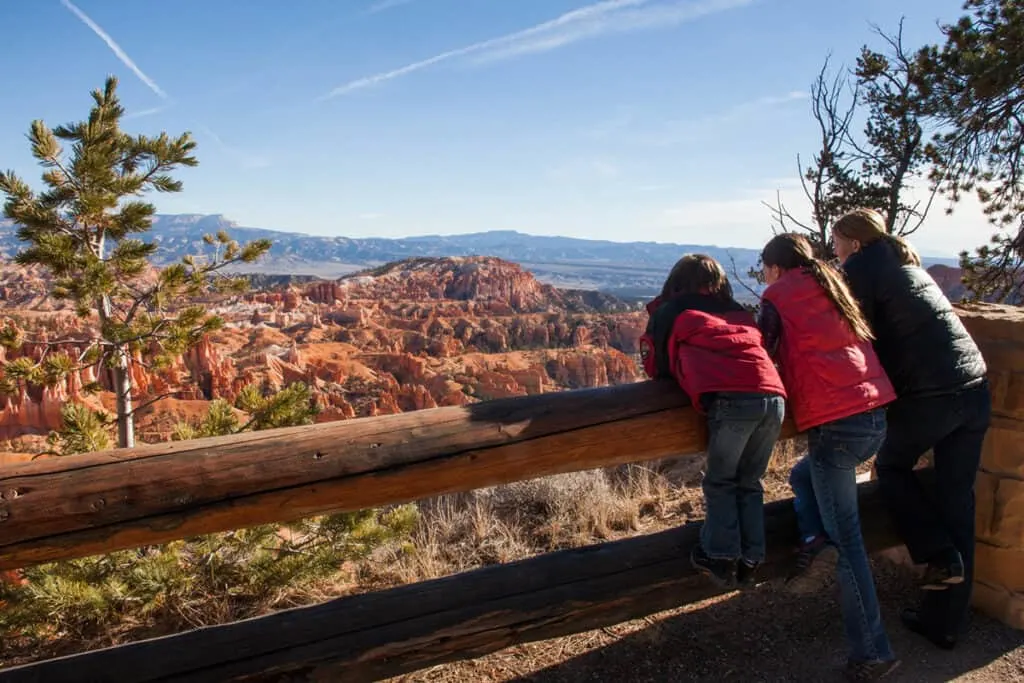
791	250
840	296
904	251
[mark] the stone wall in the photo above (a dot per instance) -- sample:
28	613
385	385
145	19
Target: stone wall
999	575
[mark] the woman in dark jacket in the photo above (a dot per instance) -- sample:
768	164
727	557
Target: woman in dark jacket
943	404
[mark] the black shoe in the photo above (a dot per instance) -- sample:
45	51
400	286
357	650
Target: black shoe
870	671
815	567
746	573
911	619
942	574
721	572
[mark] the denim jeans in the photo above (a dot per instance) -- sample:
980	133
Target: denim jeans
742	431
933	523
825	489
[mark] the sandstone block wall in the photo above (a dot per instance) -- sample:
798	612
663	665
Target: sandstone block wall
999	572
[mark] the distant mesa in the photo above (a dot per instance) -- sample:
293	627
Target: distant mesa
625	269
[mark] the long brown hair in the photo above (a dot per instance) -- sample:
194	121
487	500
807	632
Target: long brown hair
867	226
697	274
791	250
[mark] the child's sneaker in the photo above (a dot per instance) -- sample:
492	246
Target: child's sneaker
815	566
721	572
874	670
746	573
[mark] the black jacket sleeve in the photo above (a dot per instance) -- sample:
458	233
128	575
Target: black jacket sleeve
770	324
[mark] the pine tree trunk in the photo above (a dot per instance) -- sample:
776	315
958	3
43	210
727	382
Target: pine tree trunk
123	389
122	383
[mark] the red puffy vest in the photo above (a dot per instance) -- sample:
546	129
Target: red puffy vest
708	346
830	374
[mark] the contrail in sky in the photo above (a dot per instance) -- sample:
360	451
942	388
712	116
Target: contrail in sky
115	48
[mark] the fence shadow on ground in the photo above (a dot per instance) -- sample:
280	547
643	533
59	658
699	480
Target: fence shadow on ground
768	635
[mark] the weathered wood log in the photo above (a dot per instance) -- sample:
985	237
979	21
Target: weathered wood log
70	507
387	633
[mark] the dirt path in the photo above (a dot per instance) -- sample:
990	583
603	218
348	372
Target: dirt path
762	635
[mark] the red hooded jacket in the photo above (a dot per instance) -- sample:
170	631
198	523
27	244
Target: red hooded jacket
707	345
830	374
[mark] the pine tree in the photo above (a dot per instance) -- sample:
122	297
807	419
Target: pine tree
893	151
292	406
85	229
202	580
875	167
83	430
975	87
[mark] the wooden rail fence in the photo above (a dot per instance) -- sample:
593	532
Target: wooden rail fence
71	507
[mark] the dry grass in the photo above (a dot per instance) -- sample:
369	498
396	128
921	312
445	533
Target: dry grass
514	521
464	531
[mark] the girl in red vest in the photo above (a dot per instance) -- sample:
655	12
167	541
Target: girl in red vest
814	328
702	338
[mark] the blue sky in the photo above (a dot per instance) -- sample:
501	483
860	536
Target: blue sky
666	120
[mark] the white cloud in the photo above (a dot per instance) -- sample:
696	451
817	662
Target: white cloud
142	113
243	158
590	21
115	48
741	219
634	16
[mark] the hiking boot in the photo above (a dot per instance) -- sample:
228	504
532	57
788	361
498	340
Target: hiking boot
944	573
815	567
721	572
911	619
746	573
873	670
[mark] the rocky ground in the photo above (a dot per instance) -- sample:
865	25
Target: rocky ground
760	635
764	635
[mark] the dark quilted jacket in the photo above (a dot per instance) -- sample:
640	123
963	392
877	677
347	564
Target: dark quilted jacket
921	342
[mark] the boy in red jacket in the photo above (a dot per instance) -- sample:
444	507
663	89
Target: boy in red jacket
702	338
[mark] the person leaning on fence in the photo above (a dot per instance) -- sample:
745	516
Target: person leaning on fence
944	405
710	345
837	392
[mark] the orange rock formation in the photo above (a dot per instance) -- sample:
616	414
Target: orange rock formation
418	334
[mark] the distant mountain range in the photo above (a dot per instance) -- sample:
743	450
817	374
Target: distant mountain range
622	268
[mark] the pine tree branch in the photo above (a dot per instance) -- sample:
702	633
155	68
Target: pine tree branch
252	420
156	399
139	302
921	216
781	215
740	279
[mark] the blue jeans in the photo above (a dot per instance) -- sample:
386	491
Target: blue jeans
825	489
742	431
